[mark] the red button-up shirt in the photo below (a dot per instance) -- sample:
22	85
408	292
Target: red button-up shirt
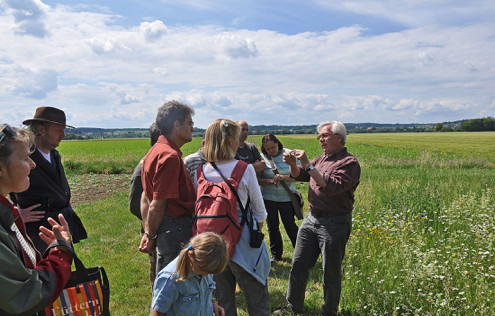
164	177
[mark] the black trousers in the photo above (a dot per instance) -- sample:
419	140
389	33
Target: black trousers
286	212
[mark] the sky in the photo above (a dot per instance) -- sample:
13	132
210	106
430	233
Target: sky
112	64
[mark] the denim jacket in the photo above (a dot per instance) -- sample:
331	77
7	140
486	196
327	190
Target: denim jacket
189	297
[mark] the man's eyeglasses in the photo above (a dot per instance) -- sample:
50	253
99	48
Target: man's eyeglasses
6	131
324	136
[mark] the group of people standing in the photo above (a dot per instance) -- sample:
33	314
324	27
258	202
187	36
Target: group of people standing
191	275
167	201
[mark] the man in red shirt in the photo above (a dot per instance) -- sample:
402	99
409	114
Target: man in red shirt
167	186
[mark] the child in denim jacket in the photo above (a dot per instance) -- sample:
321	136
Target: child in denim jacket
185	286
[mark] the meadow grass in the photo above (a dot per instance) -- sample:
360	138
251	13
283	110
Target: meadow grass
423	230
470	145
109	156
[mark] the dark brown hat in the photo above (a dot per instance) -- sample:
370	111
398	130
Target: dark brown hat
48	114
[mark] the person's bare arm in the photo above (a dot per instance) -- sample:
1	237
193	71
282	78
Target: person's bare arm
263	182
151	224
155	313
144	207
259	165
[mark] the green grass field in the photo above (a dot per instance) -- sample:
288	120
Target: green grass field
423	239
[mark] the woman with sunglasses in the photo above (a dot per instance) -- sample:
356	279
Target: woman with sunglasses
27	283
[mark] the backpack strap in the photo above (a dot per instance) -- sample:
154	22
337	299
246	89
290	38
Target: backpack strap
199	172
236	175
238	171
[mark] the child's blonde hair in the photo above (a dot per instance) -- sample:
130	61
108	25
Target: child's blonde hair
209	251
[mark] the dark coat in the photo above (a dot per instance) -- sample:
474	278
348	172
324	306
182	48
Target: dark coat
50	188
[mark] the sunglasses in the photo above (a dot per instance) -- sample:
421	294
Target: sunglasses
6	131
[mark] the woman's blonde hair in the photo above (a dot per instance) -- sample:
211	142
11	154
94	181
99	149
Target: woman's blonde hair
209	252
21	135
218	139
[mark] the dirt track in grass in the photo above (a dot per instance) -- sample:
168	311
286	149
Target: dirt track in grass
88	188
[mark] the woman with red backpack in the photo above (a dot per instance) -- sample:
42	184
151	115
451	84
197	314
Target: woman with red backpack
248	266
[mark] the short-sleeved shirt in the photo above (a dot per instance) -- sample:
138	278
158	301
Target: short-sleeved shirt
248	153
164	177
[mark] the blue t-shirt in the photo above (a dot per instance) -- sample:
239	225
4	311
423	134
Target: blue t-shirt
271	192
189	297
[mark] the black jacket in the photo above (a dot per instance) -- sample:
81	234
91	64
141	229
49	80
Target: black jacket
50	188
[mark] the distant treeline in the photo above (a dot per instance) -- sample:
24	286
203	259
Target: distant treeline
481	124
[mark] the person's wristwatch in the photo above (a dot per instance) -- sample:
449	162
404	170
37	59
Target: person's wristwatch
310	168
152	238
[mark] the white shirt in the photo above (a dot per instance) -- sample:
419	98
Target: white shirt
48	157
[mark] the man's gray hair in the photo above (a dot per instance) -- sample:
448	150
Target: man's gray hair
169	113
337	128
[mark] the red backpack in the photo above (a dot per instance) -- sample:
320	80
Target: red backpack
216	206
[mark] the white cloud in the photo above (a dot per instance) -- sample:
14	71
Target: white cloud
110	74
31	83
153	30
440	106
234	46
366	103
404	105
160	70
100	46
28	16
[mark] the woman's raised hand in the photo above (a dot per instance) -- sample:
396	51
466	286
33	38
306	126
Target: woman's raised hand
58	232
